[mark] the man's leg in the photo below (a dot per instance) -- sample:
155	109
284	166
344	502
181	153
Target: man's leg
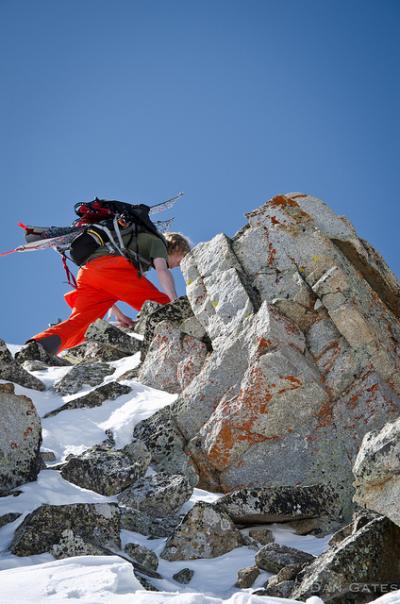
90	304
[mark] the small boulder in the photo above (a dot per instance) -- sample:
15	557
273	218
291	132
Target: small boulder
12	371
105	471
158	495
247	576
183	576
95	398
89	374
262	534
103	333
273	557
97	524
140	522
203	533
145	556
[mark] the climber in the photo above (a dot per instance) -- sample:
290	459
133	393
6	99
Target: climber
107	277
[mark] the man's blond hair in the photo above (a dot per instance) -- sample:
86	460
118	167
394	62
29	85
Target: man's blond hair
177	243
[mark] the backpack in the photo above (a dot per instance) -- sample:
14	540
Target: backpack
105	222
100	222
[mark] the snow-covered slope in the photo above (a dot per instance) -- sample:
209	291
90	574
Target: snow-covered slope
92	579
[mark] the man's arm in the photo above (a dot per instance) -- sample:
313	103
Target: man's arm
165	277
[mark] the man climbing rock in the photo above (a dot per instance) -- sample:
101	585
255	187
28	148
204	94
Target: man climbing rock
107	277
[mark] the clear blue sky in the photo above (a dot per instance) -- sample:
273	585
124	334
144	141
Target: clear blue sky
230	101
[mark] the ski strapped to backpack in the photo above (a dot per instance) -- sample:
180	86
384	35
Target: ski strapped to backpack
100	223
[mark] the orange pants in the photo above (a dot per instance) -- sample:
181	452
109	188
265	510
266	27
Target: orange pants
100	284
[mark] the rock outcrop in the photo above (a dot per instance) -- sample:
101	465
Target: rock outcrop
303	320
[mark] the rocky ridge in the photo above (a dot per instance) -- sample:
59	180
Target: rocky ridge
285	356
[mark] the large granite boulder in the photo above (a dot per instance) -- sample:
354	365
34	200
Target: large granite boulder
203	533
303	319
20	439
96	524
377	472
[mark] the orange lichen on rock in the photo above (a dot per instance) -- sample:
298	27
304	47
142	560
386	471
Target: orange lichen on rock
281	200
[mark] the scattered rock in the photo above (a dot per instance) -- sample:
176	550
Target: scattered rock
97	524
262	534
273	557
34	365
247	576
145	556
95	398
8	518
86	374
140	522
279	589
34	351
158	495
203	533
104	471
183	576
48	456
20	439
12	371
103	333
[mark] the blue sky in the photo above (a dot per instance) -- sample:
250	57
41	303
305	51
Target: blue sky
230	101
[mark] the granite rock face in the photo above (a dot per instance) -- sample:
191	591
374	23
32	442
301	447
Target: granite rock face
20	439
377	472
94	524
203	533
303	320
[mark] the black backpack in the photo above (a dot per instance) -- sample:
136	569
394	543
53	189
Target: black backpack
106	222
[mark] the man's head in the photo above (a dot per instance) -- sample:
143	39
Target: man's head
178	246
